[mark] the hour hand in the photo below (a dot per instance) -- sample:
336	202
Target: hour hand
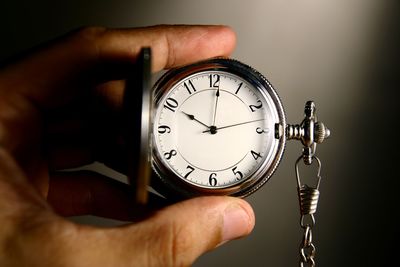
191	117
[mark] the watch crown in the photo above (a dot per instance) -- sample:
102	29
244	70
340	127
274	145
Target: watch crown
310	132
321	132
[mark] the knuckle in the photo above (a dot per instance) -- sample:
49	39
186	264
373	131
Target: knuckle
181	241
171	59
89	39
174	243
89	32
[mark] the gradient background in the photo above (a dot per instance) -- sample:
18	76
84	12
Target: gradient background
343	54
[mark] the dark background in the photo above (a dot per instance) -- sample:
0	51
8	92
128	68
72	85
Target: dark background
342	54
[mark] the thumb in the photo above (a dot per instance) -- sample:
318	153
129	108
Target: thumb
179	234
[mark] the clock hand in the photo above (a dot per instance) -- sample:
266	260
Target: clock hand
191	117
215	106
233	125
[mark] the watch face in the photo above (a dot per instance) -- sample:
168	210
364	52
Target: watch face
216	129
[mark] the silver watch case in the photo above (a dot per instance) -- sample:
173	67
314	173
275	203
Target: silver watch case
166	181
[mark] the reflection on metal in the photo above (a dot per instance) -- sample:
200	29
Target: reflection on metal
310	132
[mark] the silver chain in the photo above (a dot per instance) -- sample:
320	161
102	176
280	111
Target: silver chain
308	199
307	249
310	132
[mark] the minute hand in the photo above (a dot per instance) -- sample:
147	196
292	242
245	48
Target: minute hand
237	124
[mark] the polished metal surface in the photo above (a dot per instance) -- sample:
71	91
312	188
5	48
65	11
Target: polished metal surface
136	115
144	171
310	132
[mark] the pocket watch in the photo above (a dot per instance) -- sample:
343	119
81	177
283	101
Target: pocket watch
215	127
218	127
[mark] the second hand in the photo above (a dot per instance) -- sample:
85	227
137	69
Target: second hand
237	124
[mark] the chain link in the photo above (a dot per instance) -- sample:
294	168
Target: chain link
307	248
310	132
308	198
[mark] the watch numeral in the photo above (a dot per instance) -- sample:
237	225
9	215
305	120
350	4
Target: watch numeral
214	80
240	86
255	107
238	174
191	169
256	155
169	155
260	130
162	129
171	104
213	179
189	87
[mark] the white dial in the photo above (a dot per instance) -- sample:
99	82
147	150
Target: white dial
213	129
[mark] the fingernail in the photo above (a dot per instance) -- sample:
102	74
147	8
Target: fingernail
236	222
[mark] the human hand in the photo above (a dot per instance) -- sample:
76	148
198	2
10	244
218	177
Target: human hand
59	108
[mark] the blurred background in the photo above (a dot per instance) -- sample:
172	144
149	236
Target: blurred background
342	54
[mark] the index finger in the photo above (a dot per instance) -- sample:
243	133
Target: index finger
90	53
172	45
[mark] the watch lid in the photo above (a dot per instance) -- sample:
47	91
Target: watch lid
137	112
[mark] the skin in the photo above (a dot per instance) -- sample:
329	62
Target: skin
59	108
